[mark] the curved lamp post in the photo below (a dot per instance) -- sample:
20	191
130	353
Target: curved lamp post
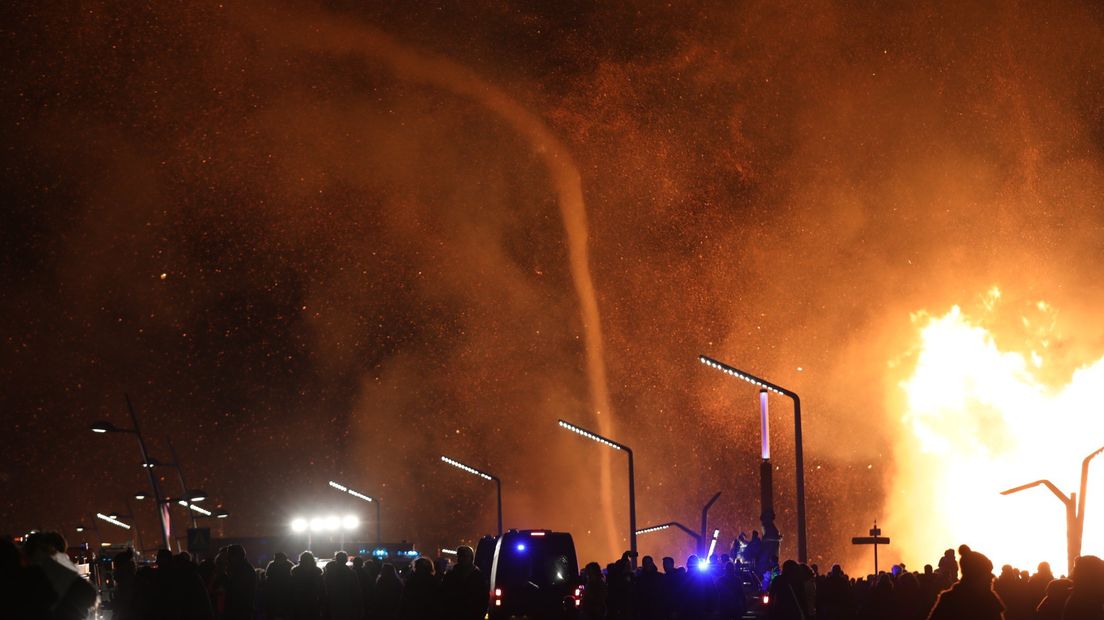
484	475
605	441
799	457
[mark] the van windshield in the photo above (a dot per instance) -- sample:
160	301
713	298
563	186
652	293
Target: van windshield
544	561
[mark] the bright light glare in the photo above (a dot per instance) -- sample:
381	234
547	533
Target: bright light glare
339	487
654	528
521	546
299	525
333	523
317	524
981	411
350	522
703	565
739	374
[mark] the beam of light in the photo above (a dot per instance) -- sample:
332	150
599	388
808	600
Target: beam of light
359	495
764	425
739	374
112	521
974	419
194	508
448	551
322	34
299	525
589	435
713	543
654	528
469	469
350	522
339	487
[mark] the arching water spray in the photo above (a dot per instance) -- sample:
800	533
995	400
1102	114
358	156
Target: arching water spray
322	34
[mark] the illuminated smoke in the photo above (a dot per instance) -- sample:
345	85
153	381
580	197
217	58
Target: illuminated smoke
324	35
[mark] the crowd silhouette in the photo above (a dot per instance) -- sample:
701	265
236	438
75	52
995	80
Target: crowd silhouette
40	582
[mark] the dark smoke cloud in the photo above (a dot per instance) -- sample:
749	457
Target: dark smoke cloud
364	271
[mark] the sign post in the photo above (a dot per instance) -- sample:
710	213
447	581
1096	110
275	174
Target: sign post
875	539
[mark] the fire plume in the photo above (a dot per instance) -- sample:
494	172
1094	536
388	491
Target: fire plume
978	417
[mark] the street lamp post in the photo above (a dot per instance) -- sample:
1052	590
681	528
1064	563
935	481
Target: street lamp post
1075	509
190	495
108	427
705	521
632	484
799	457
362	496
484	475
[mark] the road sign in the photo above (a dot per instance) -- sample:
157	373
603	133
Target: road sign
875	539
199	539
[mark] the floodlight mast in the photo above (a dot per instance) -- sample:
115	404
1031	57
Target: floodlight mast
632	483
799	458
484	475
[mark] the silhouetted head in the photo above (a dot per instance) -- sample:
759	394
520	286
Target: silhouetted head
307	559
235	554
648	564
668	564
465	556
423	566
280	556
341	558
164	558
358	562
949	553
755	534
976	567
963	549
1088	573
593	572
1059	588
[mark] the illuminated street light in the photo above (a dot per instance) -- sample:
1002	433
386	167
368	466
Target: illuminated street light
1075	509
361	496
799	456
299	525
113	520
632	484
108	427
485	476
663	526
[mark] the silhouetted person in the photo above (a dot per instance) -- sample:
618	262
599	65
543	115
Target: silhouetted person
389	589
1054	600
24	590
188	593
369	575
464	589
1086	599
306	588
972	598
124	570
421	594
278	595
73	596
1037	584
787	594
241	590
593	605
948	567
343	598
649	596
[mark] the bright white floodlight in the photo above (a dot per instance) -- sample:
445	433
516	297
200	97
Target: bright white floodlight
317	524
350	522
333	523
299	525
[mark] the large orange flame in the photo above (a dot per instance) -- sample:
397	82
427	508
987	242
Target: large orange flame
976	420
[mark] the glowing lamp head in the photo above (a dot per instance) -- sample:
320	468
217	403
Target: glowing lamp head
703	565
520	547
350	522
299	525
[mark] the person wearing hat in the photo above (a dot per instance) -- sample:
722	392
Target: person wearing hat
972	598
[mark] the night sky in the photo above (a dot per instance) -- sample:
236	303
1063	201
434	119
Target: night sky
312	243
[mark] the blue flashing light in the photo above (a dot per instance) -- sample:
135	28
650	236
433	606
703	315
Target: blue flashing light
521	547
703	565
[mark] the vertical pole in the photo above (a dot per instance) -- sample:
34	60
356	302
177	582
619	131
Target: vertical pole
705	523
1073	542
379	528
875	556
498	491
632	509
180	477
802	545
166	534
